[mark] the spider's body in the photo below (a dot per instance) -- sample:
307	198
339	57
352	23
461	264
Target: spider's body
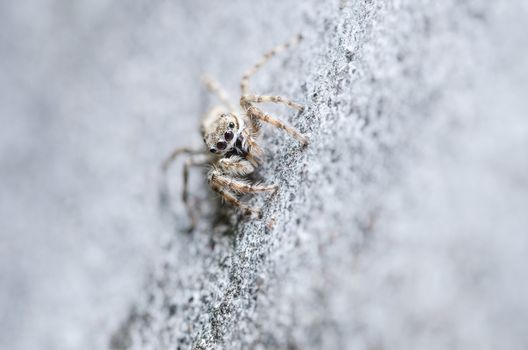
230	140
225	133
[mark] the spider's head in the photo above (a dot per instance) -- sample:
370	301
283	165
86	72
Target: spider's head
220	133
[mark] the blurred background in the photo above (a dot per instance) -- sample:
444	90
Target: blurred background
94	94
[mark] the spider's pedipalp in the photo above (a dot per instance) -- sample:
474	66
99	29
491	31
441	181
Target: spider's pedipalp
236	166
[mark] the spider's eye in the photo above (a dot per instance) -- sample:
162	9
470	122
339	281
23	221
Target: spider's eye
221	145
228	136
212	150
231	125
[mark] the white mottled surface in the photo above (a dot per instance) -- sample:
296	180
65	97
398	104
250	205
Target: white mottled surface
402	226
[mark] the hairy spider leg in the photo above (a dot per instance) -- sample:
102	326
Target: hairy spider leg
231	199
246	100
244	83
185	191
254	112
214	87
175	153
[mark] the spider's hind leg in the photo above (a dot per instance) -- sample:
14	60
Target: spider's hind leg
191	211
192	161
175	153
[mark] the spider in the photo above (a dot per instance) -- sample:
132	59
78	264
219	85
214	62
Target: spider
230	139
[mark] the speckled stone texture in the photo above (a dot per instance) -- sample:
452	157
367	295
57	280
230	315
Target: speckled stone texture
403	225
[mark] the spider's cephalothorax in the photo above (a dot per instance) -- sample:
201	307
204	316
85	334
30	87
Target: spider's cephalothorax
230	140
222	133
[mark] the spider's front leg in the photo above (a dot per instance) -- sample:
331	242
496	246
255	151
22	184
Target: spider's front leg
254	112
230	198
230	169
244	83
247	100
222	179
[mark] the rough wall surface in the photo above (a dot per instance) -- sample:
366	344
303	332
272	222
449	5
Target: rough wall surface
403	225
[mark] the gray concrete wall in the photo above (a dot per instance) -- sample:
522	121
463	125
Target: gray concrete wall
402	226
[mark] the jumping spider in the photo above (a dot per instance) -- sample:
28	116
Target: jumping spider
230	138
